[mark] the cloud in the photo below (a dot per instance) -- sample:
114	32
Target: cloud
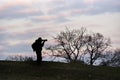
91	1
9	4
15	45
13	13
2	48
28	9
45	18
21	48
18	9
23	21
51	18
87	7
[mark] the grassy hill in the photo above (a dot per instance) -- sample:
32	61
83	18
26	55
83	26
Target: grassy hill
56	71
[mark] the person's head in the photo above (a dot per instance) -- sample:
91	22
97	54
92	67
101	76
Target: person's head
39	39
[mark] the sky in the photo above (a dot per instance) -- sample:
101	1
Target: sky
23	21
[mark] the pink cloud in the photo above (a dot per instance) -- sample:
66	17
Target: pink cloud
56	0
19	28
45	17
81	11
29	11
2	48
1	28
91	1
76	11
8	5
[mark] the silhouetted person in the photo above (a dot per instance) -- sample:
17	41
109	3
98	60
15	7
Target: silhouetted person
37	47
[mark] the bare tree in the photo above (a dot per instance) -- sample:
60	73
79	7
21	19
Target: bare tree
116	58
95	45
70	44
111	59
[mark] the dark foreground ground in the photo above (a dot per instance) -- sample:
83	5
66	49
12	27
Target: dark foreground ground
55	71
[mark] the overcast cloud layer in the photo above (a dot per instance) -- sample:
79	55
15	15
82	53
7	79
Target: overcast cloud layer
22	21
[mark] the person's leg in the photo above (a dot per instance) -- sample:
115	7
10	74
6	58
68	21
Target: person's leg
38	57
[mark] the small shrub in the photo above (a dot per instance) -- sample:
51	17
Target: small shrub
20	58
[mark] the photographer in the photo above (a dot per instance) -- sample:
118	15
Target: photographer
37	47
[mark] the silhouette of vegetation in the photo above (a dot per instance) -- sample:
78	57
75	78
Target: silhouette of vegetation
96	44
20	58
70	44
37	47
111	58
75	44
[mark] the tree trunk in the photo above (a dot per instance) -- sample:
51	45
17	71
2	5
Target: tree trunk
91	60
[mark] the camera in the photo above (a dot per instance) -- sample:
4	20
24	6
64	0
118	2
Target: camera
44	39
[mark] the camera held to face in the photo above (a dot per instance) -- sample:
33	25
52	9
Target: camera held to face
44	39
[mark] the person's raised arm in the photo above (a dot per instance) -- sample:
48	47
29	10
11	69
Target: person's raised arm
43	42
